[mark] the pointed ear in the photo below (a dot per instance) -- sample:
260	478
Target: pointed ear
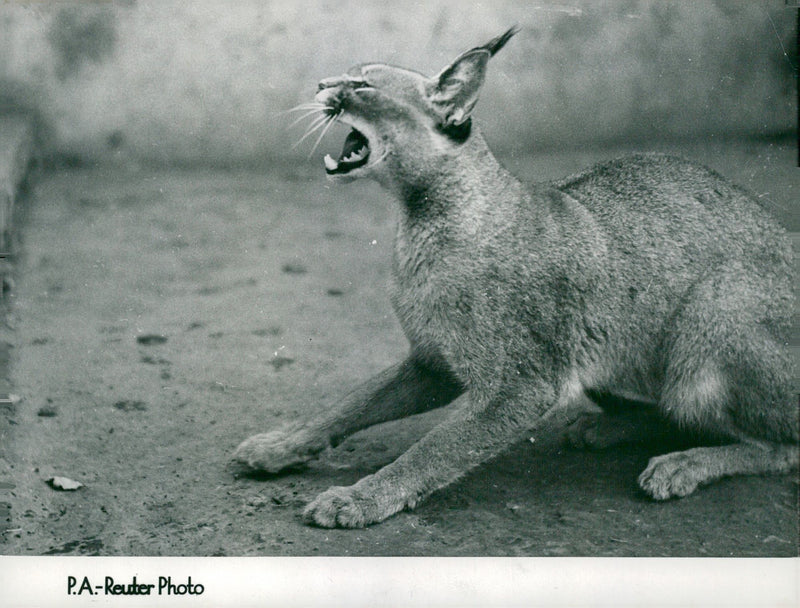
455	89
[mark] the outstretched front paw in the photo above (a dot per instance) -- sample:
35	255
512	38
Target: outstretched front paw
674	475
350	507
278	450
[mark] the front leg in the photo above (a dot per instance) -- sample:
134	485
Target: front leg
468	438
401	390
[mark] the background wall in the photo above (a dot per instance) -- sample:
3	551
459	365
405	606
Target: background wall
189	82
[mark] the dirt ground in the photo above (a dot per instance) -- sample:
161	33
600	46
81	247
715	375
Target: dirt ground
159	317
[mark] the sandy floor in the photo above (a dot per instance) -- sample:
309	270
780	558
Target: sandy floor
162	316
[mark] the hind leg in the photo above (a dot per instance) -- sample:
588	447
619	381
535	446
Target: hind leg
680	473
726	375
618	420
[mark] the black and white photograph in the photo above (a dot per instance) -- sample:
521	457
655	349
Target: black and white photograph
346	281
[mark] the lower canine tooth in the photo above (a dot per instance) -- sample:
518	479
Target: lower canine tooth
355	156
330	164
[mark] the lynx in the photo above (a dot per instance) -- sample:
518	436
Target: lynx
647	275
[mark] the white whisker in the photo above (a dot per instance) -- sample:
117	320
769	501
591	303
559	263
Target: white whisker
302	116
321	135
304	106
316	124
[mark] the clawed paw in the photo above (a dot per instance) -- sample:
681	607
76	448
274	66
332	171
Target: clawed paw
353	506
340	507
277	450
594	432
673	475
582	434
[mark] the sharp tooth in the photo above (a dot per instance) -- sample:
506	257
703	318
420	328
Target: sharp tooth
330	164
354	156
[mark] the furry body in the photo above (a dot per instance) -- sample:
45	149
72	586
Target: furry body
646	275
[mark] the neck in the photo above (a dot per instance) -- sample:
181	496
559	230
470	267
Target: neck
466	176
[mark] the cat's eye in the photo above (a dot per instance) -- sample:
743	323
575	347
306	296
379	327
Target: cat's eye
361	84
355	83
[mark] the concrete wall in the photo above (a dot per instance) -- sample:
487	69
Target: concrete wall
204	81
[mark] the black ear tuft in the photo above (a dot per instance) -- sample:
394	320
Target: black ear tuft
495	44
455	89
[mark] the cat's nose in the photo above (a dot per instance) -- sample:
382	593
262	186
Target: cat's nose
326	94
329	89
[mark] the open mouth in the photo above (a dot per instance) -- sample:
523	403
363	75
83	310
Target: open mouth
355	153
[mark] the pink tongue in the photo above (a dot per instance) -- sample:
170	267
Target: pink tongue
354	142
